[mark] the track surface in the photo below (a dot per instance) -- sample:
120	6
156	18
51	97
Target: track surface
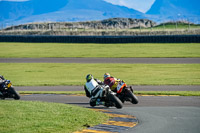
103	60
156	114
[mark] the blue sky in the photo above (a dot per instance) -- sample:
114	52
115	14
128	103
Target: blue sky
140	5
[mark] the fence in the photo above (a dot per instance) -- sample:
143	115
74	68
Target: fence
103	39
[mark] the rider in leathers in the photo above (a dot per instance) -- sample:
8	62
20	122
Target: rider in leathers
94	90
112	82
2	82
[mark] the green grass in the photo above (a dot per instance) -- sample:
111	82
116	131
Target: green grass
155	93
178	26
41	74
37	50
41	117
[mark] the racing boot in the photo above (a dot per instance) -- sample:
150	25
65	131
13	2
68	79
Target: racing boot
99	102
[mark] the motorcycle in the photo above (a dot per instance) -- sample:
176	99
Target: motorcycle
125	93
111	99
8	91
108	98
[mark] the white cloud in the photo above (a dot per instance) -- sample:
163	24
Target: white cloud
140	5
15	0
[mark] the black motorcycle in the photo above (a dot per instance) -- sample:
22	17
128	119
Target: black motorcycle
8	91
109	98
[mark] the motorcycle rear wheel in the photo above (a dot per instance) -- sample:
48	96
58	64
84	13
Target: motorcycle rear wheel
115	99
134	99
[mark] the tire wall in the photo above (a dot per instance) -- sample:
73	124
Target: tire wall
103	39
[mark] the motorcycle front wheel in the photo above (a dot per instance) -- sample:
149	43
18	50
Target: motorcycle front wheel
134	99
14	93
115	99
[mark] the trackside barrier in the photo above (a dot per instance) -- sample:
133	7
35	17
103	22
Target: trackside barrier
102	39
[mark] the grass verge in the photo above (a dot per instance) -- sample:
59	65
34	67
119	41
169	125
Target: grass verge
167	26
51	74
34	117
155	93
37	50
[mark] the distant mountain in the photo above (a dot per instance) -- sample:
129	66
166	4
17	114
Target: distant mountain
176	10
14	13
19	10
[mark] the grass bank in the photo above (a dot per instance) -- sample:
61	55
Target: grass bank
48	74
155	93
174	26
37	50
35	117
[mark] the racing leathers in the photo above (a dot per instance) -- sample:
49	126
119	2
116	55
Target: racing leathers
112	83
95	91
2	83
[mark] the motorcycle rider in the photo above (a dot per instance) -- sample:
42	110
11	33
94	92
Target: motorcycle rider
112	82
2	82
118	86
94	90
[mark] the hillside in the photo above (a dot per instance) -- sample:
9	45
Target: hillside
14	13
40	11
112	23
176	10
107	27
19	10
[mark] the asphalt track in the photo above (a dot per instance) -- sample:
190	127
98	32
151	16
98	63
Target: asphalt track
156	114
103	60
